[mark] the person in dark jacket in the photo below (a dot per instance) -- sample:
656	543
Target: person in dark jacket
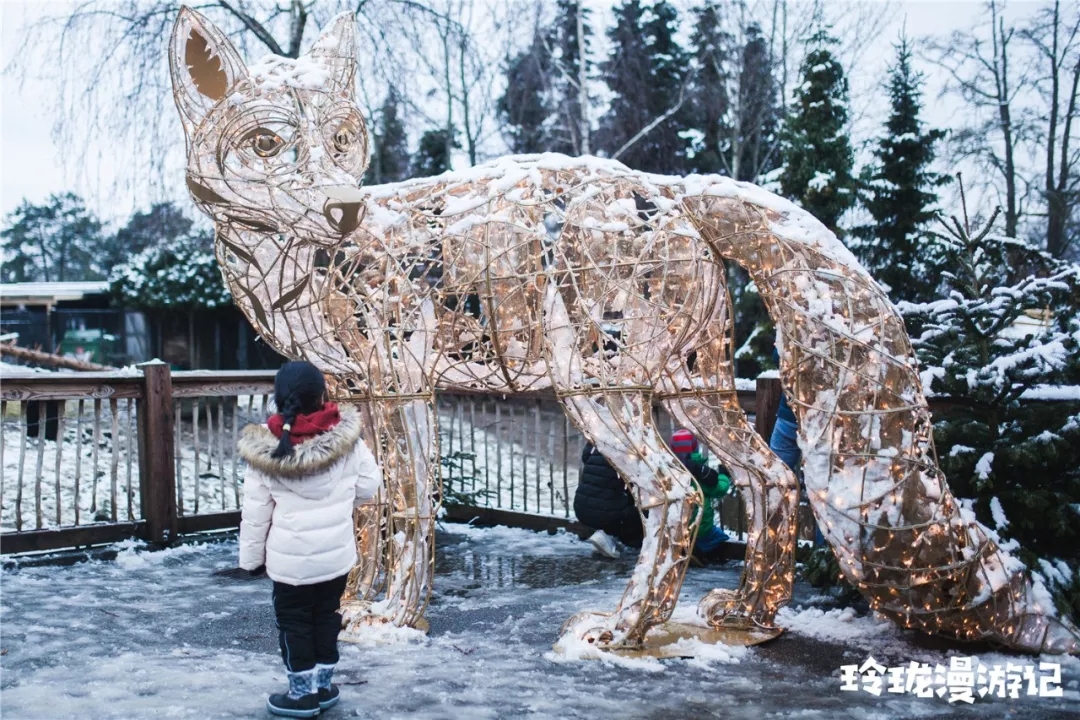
603	502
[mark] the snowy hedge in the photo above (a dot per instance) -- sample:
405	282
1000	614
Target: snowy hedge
181	275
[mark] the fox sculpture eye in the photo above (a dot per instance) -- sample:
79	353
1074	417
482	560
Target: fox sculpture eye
265	143
344	138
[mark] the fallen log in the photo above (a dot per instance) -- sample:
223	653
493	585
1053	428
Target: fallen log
51	359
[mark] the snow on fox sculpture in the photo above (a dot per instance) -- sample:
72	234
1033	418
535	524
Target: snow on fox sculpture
607	286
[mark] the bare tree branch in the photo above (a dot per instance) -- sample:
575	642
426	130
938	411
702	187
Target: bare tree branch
255	27
656	122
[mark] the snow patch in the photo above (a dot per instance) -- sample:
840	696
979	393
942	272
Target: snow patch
274	72
1052	392
135	554
841	624
570	649
385	634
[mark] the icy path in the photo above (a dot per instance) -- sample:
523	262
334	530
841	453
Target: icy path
154	635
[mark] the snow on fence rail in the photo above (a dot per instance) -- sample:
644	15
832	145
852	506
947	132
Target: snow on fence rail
74	461
68	450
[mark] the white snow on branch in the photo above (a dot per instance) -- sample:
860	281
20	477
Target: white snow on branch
1052	392
1052	355
821	180
1000	521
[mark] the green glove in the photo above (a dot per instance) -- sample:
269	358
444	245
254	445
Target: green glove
723	484
696	456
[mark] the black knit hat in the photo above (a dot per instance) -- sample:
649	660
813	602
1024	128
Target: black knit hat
299	389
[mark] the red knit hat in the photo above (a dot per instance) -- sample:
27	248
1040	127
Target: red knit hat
683	442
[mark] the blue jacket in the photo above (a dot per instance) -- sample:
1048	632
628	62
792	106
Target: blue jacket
784	411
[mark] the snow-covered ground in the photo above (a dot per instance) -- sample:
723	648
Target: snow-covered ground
157	635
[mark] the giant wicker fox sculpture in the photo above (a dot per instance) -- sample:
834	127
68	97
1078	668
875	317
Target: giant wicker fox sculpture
608	286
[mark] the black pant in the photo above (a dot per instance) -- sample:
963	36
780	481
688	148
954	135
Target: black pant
308	622
630	530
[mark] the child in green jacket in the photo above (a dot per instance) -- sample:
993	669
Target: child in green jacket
714	485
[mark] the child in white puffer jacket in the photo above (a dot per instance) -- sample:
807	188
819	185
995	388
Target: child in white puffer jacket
307	470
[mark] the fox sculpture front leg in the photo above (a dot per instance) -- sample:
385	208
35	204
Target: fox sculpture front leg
408	453
398	345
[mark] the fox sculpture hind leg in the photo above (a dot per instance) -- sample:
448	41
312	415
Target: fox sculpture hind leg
871	475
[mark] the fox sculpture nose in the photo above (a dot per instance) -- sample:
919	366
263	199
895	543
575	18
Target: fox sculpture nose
344	208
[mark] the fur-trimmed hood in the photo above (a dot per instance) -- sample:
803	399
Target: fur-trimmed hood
310	457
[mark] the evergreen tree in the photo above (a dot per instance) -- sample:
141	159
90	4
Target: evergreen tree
568	132
522	109
182	274
753	151
645	72
57	241
817	155
1011	457
755	147
624	72
709	105
431	156
390	145
163	224
901	191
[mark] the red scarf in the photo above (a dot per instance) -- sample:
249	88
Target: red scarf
305	427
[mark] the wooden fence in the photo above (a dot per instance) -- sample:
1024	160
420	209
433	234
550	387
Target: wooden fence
98	457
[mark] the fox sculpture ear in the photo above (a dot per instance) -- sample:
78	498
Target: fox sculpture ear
336	51
204	66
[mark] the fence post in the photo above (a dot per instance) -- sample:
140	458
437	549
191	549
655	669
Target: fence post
767	401
157	474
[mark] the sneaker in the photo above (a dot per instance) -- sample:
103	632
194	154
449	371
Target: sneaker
604	544
328	697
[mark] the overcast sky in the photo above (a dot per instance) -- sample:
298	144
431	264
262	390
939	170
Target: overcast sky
33	167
